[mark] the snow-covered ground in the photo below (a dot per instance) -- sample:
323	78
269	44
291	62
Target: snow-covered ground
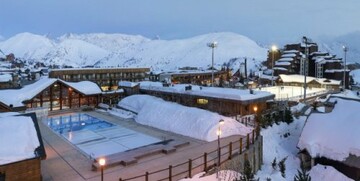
277	145
292	92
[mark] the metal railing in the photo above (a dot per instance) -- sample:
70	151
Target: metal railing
204	162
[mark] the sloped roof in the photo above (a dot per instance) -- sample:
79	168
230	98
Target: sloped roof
16	97
300	79
333	135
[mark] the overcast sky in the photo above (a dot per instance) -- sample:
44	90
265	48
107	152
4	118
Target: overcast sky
265	21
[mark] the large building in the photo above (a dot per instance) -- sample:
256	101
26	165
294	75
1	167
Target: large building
290	60
225	101
106	78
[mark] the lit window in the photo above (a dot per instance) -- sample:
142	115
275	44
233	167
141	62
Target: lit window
202	101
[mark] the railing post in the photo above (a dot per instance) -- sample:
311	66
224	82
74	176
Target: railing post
253	136
247	141
170	173
230	150
190	167
147	176
205	162
241	145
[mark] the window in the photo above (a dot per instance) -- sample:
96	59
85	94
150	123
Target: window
202	101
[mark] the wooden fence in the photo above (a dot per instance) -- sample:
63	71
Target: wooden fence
205	162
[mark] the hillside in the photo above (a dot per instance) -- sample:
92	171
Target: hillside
121	50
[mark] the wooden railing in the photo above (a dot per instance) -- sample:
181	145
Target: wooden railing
204	162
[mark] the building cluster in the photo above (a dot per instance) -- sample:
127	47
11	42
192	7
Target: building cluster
306	59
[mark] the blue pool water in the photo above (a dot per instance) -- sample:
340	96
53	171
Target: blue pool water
96	137
76	122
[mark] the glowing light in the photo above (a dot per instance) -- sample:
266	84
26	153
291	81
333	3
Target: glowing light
102	161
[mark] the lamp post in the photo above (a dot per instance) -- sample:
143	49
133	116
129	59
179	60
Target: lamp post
345	48
305	41
212	45
273	50
218	132
102	165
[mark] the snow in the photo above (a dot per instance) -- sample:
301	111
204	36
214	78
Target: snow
85	87
30	91
356	76
188	121
286	59
289	55
292	92
20	144
321	172
216	92
224	175
135	51
282	63
300	79
128	84
5	77
318	136
277	146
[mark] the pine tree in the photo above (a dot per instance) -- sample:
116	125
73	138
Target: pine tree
274	163
288	116
248	173
282	167
302	175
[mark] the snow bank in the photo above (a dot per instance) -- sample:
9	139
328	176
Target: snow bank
333	135
20	144
321	172
187	121
276	145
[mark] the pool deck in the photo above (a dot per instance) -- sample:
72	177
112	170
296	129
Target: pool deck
65	162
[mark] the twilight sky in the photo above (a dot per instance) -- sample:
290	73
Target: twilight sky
265	21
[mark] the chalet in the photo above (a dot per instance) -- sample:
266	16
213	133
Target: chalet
106	78
331	138
312	82
225	101
197	77
22	150
56	94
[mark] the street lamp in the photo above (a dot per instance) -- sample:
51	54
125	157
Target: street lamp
273	50
345	48
305	40
212	45
218	132
102	165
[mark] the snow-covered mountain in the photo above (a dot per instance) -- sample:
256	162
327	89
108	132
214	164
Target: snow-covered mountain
134	51
334	46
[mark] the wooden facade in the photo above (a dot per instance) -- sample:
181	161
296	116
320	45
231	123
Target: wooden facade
106	78
226	107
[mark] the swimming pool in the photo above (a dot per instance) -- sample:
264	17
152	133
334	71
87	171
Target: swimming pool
97	137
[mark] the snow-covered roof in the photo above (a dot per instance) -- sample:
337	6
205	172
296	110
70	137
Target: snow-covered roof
280	68
215	92
282	63
336	70
85	87
188	121
288	55
333	135
128	84
300	79
285	59
269	77
290	51
18	138
321	172
16	97
5	77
